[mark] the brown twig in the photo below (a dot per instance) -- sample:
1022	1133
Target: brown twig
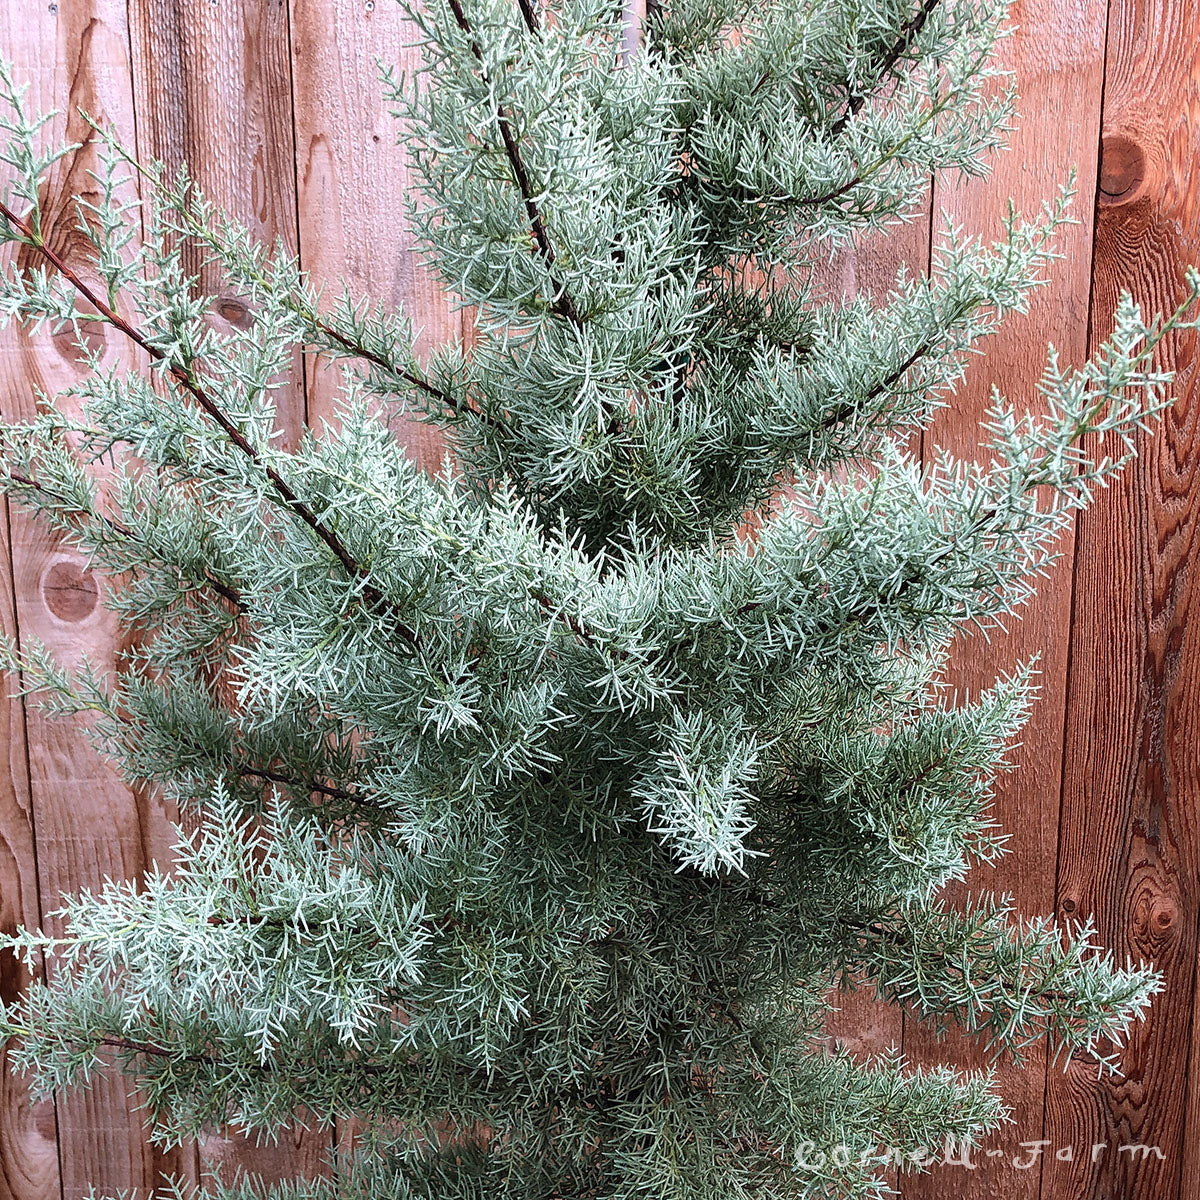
843	412
908	33
410	377
562	304
309	785
833	194
530	14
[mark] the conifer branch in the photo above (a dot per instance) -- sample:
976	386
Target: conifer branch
908	33
529	12
186	379
223	589
149	1050
562	304
844	412
152	1050
198	230
449	402
311	785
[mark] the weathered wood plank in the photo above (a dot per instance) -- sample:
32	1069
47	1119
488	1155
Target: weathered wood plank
1057	55
213	90
89	826
28	1132
860	1022
354	180
1130	850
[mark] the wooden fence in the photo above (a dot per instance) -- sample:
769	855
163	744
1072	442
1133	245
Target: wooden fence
275	104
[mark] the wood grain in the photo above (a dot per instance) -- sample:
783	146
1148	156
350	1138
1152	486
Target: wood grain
1057	57
213	91
1130	849
354	181
77	57
28	1132
858	1021
29	1167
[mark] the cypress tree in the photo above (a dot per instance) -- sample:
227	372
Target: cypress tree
535	806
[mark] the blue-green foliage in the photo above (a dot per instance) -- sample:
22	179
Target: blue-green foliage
538	805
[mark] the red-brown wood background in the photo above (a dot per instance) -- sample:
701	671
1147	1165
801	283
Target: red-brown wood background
275	104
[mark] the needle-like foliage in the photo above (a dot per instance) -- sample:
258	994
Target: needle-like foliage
536	807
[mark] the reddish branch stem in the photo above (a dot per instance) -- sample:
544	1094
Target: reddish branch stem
908	33
562	304
409	377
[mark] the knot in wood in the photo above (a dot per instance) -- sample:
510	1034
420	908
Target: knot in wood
1122	169
234	310
70	591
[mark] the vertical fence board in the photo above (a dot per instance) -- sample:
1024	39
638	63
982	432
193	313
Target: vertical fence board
77	56
28	1132
1130	851
1057	56
213	90
354	181
212	87
860	1022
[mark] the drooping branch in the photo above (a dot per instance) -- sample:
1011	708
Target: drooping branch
223	589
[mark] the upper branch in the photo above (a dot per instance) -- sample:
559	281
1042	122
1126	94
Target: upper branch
188	382
410	377
293	502
562	304
908	32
